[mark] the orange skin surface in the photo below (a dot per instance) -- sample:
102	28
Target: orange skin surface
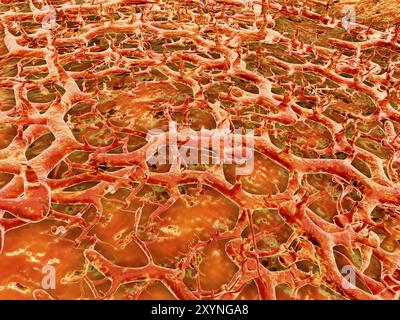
77	193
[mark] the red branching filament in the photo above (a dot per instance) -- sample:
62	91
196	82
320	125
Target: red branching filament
83	81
